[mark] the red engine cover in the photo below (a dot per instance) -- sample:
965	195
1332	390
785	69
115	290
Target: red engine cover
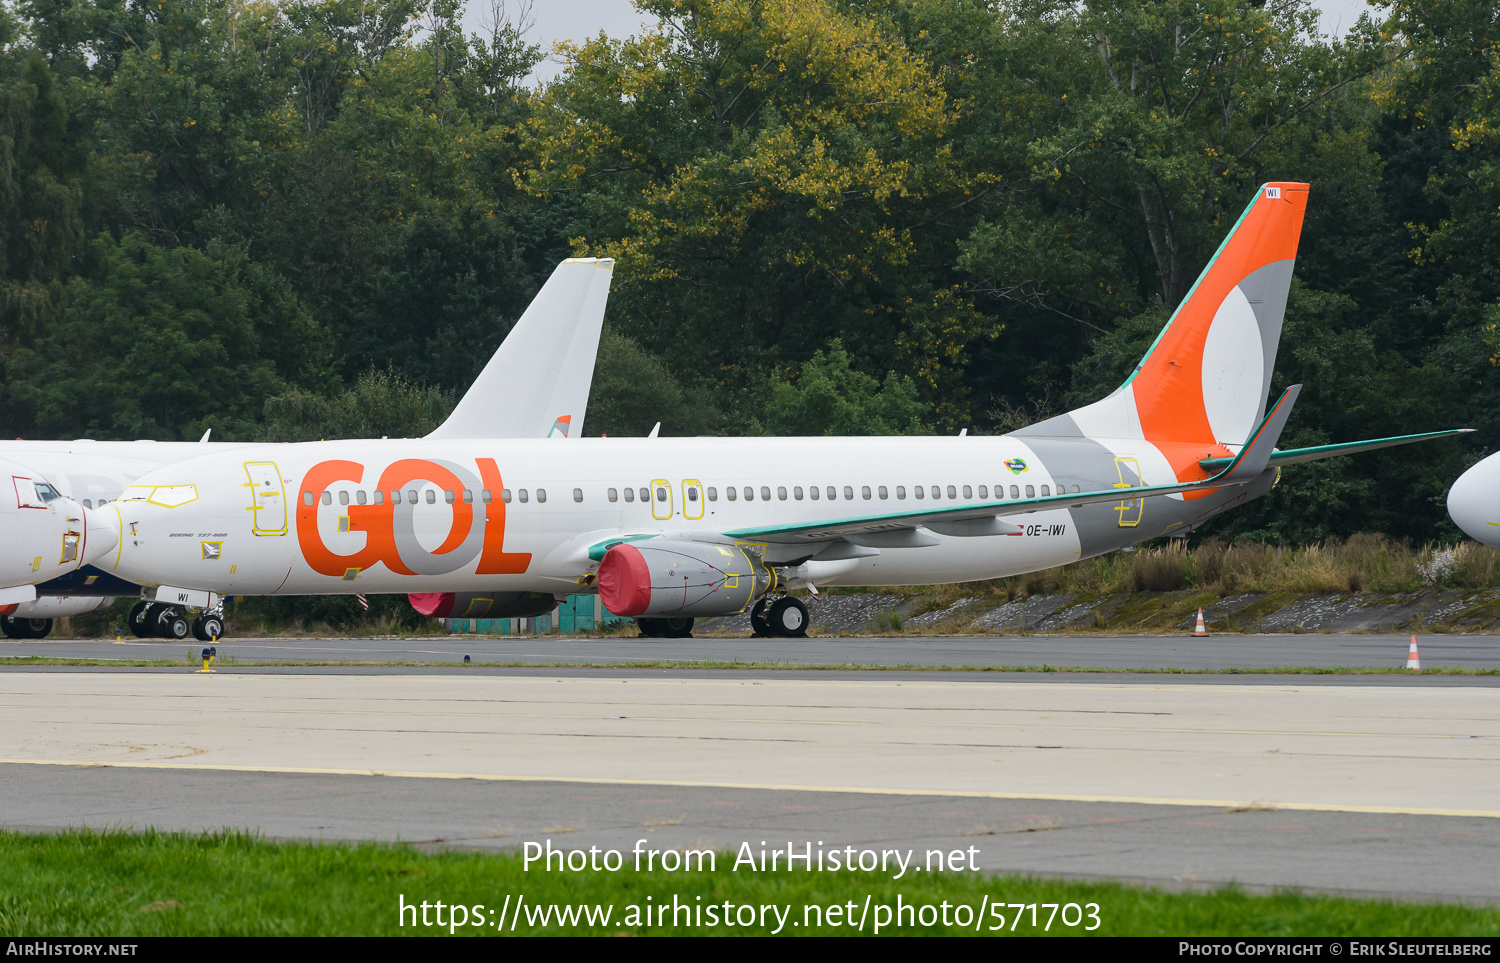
438	605
624	581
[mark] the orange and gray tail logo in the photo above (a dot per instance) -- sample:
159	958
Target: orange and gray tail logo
560	427
1203	384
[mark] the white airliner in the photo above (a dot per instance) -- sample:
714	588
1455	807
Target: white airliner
1474	501
667	530
535	386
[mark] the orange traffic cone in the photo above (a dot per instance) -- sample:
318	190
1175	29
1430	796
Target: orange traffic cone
1412	661
1201	631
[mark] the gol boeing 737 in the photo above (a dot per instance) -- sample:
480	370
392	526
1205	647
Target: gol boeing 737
667	530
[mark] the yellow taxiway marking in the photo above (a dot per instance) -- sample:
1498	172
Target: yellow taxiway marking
871	790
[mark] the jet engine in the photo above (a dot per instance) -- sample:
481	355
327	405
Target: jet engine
666	578
482	605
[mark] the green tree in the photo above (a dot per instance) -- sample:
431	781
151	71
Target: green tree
830	397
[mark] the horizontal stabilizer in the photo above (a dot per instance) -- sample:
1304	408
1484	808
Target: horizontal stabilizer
1294	455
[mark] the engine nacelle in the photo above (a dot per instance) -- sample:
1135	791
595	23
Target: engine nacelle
667	577
482	605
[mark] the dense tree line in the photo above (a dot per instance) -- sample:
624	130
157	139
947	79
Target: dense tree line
312	219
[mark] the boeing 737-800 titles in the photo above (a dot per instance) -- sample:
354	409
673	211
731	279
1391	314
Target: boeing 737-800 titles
667	530
536	385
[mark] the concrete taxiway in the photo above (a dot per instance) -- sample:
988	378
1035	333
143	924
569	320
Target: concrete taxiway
1104	651
1386	788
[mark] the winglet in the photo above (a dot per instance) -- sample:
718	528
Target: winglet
1255	457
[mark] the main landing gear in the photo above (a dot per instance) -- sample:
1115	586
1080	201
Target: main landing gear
153	620
785	617
666	628
15	628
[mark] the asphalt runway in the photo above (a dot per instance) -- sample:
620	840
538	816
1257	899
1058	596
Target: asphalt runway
1375	788
1111	652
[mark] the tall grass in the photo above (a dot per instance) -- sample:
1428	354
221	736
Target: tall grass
1360	563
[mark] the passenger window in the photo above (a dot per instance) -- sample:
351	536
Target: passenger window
484	495
984	491
505	495
952	492
765	493
812	490
749	494
1075	489
645	494
968	492
343	498
1046	491
692	494
901	492
379	497
87	503
919	491
359	496
732	492
781	492
307	498
613	494
578	494
883	493
849	493
713	493
630	494
395	496
661	494
797	492
541	494
448	495
1015	492
864	492
468	497
431	496
1030	492
411	495
520	492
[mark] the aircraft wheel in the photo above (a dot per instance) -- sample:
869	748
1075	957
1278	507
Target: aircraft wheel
140	620
651	628
678	628
208	628
171	624
788	618
758	623
37	628
11	628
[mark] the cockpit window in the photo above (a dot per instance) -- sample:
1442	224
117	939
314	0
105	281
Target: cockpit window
46	492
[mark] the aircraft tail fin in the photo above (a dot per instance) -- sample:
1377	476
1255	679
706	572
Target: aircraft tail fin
1202	385
537	384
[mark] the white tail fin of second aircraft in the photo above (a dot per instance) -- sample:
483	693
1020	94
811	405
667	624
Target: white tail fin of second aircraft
537	384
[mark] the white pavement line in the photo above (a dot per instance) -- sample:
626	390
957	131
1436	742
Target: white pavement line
1257	805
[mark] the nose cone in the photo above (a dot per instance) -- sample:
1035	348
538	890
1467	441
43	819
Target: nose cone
1474	501
101	537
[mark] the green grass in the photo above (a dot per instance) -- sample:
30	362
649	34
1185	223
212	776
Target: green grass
225	666
81	883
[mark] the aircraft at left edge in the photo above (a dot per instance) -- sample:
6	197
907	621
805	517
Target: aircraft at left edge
536	385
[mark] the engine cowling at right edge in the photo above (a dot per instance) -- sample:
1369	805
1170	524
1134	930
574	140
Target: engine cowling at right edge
665	577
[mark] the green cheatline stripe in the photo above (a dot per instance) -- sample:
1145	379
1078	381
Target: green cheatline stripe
1294	455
